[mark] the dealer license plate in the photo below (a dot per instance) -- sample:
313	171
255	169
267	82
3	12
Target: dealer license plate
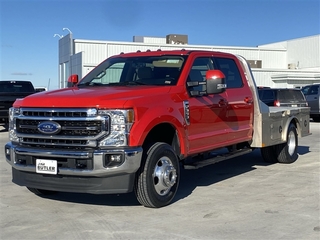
46	166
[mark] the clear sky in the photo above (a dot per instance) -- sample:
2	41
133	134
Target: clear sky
29	50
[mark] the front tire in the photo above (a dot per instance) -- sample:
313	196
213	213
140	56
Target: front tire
288	152
157	180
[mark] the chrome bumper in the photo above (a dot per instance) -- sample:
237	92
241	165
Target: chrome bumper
131	163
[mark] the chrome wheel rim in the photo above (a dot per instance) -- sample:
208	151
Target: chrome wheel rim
164	176
291	143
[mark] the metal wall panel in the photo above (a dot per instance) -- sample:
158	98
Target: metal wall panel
65	48
93	52
275	58
76	64
301	52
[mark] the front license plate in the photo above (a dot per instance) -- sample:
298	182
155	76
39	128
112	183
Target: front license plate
294	105
46	166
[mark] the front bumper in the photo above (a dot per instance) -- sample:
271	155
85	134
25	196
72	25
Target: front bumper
97	178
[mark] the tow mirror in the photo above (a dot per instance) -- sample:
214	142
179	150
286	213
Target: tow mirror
216	82
73	80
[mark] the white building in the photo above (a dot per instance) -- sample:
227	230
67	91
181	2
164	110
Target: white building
291	63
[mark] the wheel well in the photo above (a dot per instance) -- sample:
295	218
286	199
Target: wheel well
295	122
164	132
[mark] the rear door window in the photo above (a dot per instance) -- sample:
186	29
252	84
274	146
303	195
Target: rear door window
267	95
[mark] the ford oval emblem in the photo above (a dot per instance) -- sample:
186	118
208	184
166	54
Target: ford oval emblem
49	127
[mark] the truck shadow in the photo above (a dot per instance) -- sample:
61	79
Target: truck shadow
190	180
3	129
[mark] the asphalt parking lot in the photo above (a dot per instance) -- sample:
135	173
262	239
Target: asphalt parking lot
241	198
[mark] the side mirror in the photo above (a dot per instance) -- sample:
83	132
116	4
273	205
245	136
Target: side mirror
73	80
215	82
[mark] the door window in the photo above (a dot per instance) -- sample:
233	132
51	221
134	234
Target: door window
314	90
198	73
231	72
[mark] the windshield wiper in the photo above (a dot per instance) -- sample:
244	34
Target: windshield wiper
135	83
90	84
126	83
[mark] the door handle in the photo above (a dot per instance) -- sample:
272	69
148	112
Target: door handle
248	100
222	103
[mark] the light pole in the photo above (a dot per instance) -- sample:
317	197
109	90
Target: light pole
67	30
68	65
58	35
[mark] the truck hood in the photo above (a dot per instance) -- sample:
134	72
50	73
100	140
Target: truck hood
109	97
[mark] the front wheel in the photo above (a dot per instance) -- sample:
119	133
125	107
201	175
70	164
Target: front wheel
288	152
158	178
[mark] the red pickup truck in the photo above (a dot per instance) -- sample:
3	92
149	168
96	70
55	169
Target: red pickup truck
134	120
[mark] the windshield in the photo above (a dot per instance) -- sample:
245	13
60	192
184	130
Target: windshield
291	95
155	70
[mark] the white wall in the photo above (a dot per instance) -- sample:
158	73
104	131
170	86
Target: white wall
304	52
96	51
275	57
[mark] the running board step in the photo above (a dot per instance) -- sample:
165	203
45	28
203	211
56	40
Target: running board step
216	159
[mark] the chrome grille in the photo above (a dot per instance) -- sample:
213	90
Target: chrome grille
54	113
78	128
68	128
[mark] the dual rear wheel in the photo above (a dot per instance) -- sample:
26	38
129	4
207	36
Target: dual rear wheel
284	152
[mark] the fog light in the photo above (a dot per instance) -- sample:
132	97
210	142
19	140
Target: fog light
113	160
7	154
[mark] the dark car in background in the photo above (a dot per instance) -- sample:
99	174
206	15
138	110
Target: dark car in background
312	95
40	89
282	97
9	92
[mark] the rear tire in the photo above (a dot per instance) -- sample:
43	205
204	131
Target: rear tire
269	154
41	192
287	152
157	180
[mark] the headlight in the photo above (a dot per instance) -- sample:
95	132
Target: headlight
120	124
13	113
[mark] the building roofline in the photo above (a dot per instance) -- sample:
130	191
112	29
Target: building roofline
295	71
186	46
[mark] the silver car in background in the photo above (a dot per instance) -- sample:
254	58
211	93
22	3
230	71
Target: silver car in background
311	92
